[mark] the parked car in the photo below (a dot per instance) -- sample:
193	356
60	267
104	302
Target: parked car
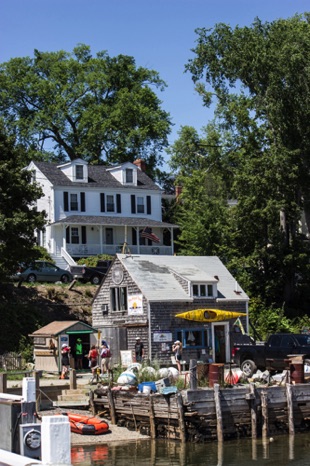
43	271
94	275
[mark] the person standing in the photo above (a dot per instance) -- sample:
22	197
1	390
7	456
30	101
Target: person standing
177	350
105	358
79	354
65	361
93	358
139	350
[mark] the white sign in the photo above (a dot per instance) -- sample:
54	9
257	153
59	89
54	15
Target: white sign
162	335
135	306
126	358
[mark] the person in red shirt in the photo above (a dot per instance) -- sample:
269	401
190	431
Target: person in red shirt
93	358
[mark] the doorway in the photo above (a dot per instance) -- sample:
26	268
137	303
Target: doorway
220	342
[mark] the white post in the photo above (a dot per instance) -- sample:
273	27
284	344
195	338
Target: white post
55	441
29	389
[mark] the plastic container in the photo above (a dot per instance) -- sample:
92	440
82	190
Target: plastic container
150	385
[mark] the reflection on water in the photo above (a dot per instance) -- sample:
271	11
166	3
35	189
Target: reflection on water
284	450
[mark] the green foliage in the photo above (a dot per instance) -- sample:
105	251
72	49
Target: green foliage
256	151
18	216
92	261
26	349
102	108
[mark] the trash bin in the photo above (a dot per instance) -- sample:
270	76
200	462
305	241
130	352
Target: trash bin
216	374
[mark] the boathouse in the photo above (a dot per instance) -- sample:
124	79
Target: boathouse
142	295
47	343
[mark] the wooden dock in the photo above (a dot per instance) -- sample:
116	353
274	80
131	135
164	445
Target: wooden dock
208	414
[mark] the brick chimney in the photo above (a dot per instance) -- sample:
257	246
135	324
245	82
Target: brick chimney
140	164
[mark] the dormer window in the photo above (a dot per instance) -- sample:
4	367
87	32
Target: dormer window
129	175
79	172
203	290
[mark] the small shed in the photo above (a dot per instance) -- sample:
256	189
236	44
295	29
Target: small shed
47	343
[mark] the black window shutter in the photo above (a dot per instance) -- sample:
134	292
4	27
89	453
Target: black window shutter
66	201
84	240
68	234
82	202
134	236
118	204
133	204
148	205
102	204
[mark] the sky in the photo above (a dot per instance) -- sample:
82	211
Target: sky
159	34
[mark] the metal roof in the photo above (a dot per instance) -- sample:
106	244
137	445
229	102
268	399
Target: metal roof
157	276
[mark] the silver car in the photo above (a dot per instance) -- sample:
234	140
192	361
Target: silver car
42	271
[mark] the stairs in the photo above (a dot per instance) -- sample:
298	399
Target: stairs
73	398
60	262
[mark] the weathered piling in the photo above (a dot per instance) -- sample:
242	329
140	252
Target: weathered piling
209	413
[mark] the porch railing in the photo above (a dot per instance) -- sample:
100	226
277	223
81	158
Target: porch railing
84	250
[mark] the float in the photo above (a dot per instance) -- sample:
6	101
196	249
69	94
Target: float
86	425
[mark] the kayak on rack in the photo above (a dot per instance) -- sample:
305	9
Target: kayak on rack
209	315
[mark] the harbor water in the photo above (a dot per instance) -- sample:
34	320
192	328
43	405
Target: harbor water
281	450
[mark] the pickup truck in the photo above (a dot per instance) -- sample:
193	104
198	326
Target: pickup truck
270	354
93	275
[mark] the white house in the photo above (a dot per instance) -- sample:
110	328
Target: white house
97	209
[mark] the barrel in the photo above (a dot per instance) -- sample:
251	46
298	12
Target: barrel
297	372
216	374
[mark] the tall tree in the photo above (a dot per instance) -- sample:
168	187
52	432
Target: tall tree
259	77
102	109
18	215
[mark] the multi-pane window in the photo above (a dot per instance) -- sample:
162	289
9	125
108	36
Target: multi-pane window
118	298
110	203
129	175
75	239
140	205
203	290
79	172
74	205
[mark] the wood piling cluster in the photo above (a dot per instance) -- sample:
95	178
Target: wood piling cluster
208	414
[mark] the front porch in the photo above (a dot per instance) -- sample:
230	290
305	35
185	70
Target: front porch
85	250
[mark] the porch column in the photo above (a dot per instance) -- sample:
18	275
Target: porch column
101	239
138	239
172	241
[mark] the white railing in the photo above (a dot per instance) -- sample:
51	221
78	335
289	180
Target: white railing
84	250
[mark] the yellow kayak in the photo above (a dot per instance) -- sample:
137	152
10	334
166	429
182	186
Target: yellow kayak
209	315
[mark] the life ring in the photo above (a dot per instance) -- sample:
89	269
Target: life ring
85	425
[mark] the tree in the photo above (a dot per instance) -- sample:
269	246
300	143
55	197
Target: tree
102	108
18	216
259	77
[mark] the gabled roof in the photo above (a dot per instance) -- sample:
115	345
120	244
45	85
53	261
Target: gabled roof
66	326
157	276
99	176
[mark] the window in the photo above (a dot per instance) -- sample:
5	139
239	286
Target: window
110	203
140	205
197	338
203	290
75	239
74	202
79	172
118	298
129	175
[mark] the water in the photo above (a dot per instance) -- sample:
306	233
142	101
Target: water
283	450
